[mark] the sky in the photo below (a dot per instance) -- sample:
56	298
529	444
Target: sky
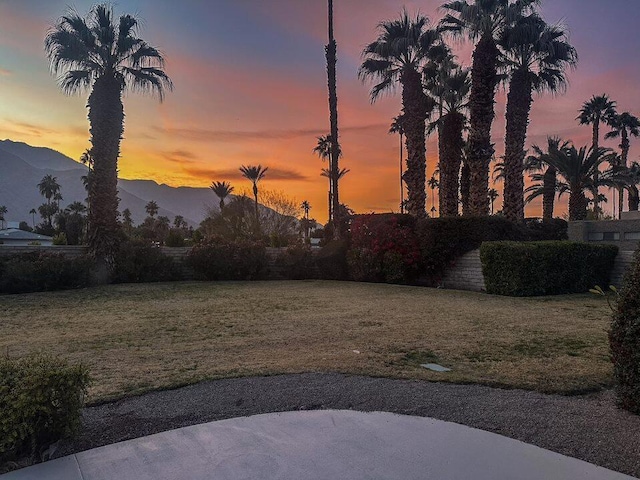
250	88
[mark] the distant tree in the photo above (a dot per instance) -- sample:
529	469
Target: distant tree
163	225
624	126
3	212
493	196
396	127
33	212
179	222
323	150
597	110
127	221
104	55
254	174
433	183
222	190
24	226
151	208
50	190
306	207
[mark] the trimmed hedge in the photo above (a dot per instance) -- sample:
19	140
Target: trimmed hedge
331	260
524	269
43	271
138	261
41	400
220	259
624	340
297	262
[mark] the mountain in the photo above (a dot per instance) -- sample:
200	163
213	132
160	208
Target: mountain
22	167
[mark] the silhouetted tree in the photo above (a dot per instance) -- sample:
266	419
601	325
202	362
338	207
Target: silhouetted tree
222	190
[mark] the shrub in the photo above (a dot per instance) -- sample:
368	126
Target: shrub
554	229
624	340
138	261
297	263
59	239
524	269
41	400
220	259
40	271
175	238
331	260
443	240
384	248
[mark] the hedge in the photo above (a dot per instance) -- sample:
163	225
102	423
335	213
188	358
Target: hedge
524	269
41	400
139	261
220	259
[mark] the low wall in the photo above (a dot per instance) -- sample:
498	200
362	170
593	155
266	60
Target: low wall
623	233
68	250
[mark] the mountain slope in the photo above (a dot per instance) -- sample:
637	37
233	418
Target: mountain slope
40	157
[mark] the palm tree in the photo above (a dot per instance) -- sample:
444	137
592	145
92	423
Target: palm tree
49	187
306	206
634	196
597	110
449	86
544	175
33	212
536	57
254	174
330	52
493	196
323	150
77	208
104	55
433	184
397	56
623	125
151	208
396	127
577	169
222	191
484	21
127	221
3	212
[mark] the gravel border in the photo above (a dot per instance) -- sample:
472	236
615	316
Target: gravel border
588	427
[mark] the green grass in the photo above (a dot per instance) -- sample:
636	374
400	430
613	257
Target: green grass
137	338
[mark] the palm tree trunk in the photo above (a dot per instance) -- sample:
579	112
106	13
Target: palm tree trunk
414	106
519	102
330	52
624	144
401	184
595	143
450	145
484	80
577	204
221	205
634	198
106	118
548	193
465	185
255	197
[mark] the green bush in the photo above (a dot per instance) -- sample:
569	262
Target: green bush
523	269
138	261
41	271
297	263
221	259
41	400
331	260
554	229
624	340
175	238
443	240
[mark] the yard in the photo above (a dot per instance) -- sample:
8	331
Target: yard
138	337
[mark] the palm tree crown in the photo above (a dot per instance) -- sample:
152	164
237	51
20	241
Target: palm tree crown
254	174
598	109
222	190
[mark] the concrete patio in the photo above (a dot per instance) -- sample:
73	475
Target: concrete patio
319	445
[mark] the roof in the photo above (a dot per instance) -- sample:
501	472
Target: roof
17	234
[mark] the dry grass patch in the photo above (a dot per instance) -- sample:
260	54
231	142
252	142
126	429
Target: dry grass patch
140	337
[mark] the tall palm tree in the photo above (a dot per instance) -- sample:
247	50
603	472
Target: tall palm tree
33	212
104	55
536	57
577	169
397	56
49	187
623	126
433	183
544	175
3	212
127	221
483	21
396	127
306	207
222	190
634	196
151	208
335	153
597	110
449	87
327	173
254	174
493	196
323	150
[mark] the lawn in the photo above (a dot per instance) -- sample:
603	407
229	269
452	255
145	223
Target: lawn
140	337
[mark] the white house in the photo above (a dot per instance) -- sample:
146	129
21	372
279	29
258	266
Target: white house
15	236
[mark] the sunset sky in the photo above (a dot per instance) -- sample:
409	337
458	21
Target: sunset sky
250	87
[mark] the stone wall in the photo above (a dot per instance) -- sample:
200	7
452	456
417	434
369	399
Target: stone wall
465	274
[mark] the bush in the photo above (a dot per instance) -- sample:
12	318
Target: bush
624	340
331	260
554	229
59	239
384	248
297	263
443	240
138	261
41	400
40	271
523	269
220	259
175	238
